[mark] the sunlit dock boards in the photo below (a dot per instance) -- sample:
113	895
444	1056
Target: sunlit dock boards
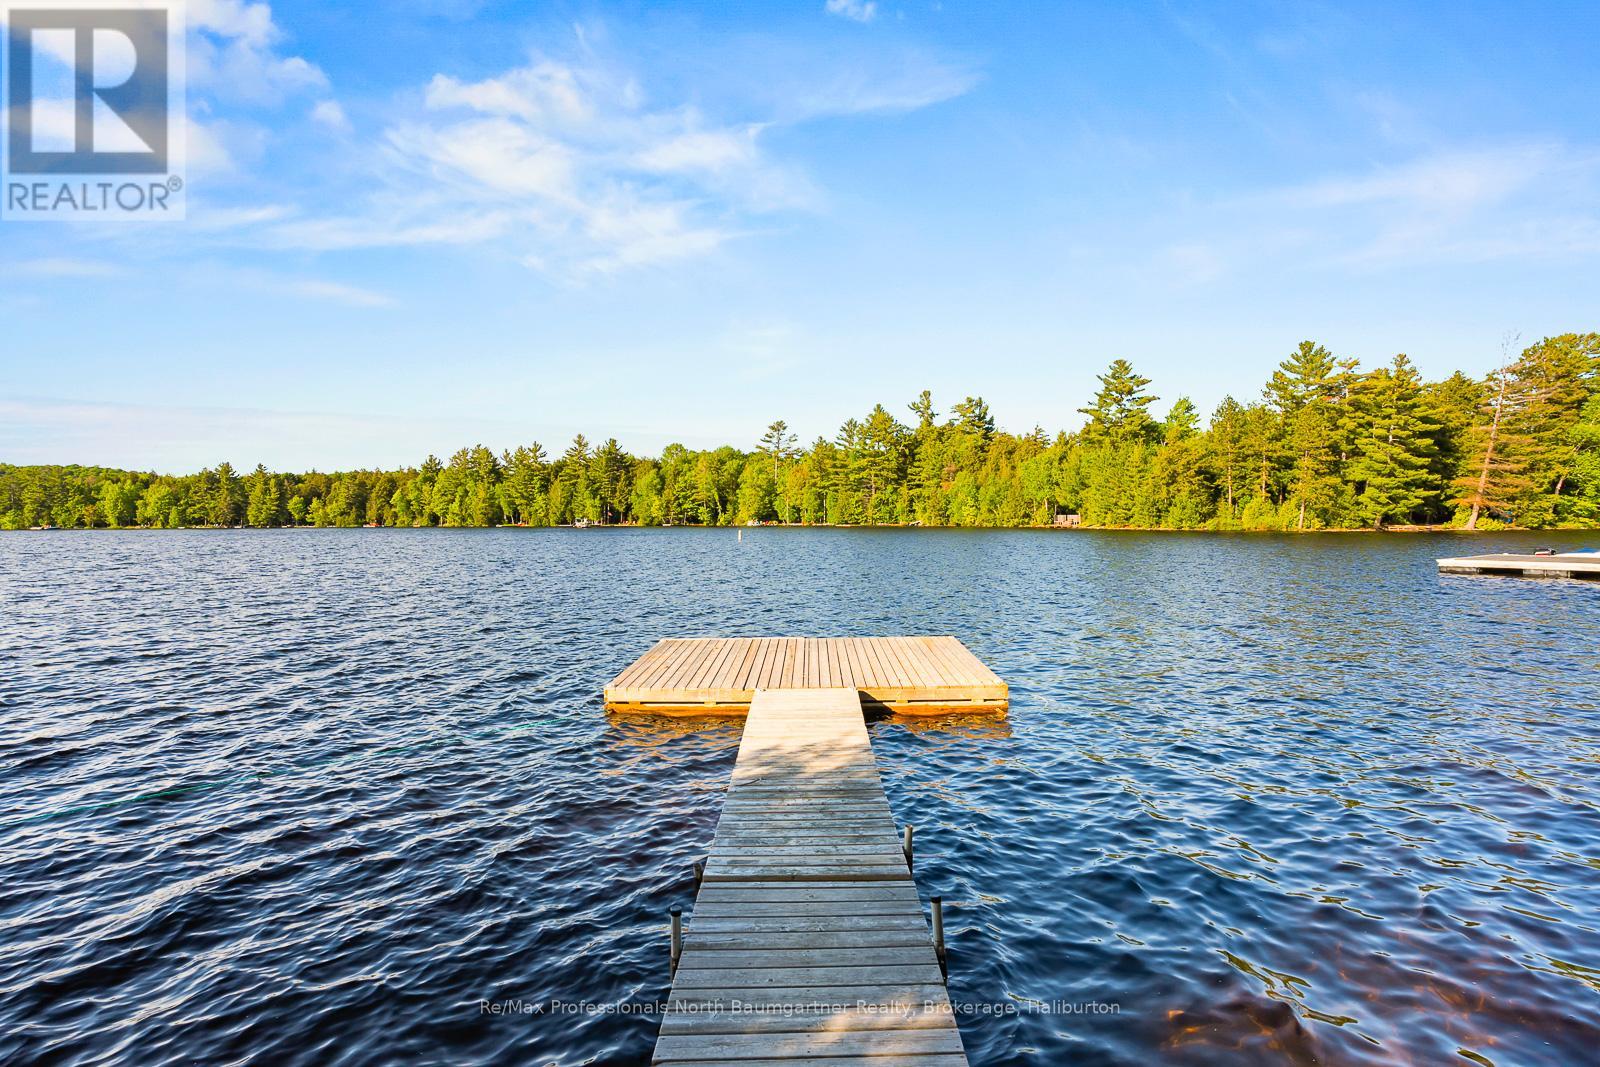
807	944
1559	565
720	676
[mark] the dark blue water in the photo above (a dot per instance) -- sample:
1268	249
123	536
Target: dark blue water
314	796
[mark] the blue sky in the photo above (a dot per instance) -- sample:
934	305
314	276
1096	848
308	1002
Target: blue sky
418	225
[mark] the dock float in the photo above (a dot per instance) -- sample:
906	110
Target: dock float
1546	565
720	676
807	944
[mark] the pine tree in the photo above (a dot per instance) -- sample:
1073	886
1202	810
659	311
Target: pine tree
1300	391
972	416
1121	407
1306	376
1394	446
1228	447
1453	405
1496	477
778	444
1585	441
1552	380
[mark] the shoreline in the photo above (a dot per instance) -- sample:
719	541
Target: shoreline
1035	528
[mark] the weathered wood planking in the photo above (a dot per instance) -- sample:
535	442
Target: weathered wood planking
1559	565
720	675
807	944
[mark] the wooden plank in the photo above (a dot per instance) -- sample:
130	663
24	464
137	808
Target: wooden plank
633	670
786	996
855	939
707	675
783	923
838	1061
921	1042
777	892
910	1017
657	660
678	677
691	977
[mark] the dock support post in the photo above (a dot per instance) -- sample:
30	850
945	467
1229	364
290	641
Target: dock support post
938	933
699	873
905	843
677	938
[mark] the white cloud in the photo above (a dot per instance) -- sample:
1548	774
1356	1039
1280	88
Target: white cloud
568	166
339	293
208	218
856	10
249	23
543	92
328	113
419	225
709	151
571	166
1461	205
1449	182
233	54
908	81
64	267
495	154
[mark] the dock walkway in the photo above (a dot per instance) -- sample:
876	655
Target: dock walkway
807	944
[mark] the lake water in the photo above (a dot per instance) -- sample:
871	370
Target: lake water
314	796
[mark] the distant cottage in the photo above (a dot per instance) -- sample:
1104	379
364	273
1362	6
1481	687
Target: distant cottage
1069	520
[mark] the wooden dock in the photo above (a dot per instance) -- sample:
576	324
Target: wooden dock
1556	565
807	944
720	676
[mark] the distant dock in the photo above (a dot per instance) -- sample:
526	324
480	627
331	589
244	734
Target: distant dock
808	944
720	676
1548	565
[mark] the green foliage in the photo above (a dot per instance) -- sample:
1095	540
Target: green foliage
1394	444
1120	413
1327	446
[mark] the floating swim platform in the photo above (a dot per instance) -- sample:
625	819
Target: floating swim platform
807	945
721	675
1552	565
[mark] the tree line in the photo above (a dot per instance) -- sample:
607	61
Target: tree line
1327	445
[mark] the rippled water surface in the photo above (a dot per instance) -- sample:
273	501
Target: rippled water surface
313	796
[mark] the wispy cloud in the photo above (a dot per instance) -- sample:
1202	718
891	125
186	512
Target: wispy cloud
64	267
1448	182
339	293
330	114
1463	205
235	54
898	82
855	10
575	164
577	171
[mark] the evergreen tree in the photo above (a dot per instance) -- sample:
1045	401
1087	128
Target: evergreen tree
1300	391
777	444
1552	380
1495	478
972	417
1394	445
1229	448
1121	408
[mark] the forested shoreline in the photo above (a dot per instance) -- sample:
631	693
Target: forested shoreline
1328	445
